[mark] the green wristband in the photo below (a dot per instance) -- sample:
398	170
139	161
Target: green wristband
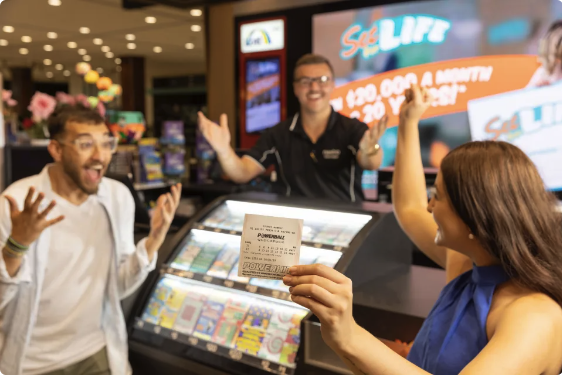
17	245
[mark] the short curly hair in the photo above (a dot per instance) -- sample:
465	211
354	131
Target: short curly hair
77	113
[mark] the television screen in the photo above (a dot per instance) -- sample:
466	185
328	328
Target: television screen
478	58
263	97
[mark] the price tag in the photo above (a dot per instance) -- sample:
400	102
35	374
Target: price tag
275	294
193	341
338	248
232	232
265	364
208	278
170	270
218	230
157	329
188	275
212	347
284	296
235	354
229	284
318	245
201	227
282	370
174	335
251	288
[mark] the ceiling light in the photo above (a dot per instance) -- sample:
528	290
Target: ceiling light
59	67
82	51
118	69
109	55
52	35
8	29
49	74
48	47
55	3
47	62
195	28
98	41
117	61
189	46
105	49
131	46
157	49
3	42
24	51
150	20
84	30
72	45
130	37
66	73
26	39
196	12
99	70
87	58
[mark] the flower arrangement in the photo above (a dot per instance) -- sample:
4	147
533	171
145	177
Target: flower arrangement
8	102
42	106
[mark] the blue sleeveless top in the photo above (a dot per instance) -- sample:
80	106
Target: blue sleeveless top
455	330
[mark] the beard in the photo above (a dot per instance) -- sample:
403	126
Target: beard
75	174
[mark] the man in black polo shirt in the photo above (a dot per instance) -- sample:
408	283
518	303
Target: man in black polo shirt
318	152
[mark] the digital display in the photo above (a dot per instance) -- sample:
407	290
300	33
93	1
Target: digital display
263	94
473	56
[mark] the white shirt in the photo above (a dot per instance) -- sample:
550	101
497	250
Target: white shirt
69	320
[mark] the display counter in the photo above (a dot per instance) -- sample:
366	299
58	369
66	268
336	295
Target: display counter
197	316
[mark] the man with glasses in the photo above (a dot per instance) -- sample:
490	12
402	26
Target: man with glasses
69	257
318	153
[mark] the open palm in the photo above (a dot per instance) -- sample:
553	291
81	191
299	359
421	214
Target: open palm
217	135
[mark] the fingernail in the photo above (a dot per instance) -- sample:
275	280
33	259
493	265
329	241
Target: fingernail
291	297
291	289
287	279
293	270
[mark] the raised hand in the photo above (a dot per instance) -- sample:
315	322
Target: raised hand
372	136
416	103
29	223
217	135
164	213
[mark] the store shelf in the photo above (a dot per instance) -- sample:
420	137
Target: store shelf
276	294
330	247
226	352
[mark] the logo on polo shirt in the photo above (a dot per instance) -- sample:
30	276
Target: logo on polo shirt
331	154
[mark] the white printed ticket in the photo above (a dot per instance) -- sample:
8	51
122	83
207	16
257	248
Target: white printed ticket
269	246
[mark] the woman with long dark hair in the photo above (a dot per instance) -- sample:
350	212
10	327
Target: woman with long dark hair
504	315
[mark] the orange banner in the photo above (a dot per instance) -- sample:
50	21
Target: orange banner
261	86
452	83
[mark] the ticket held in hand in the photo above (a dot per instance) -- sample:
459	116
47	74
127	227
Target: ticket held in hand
269	246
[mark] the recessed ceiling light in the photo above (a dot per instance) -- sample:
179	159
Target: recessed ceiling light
157	49
8	29
109	55
84	30
26	39
130	37
189	46
72	45
105	49
24	51
98	41
150	20
59	67
66	73
196	12
47	62
118	69
195	28
82	51
99	70
48	47
3	42
131	46
55	3
52	35
87	58
117	61
49	74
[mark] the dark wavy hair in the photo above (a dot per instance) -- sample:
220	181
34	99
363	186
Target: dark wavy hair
71	113
498	193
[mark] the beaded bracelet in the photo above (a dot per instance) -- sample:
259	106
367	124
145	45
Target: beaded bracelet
17	245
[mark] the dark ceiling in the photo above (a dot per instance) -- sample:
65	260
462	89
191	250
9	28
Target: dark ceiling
132	4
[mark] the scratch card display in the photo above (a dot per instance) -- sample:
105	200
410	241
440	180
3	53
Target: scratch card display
231	321
225	261
252	333
188	254
210	316
205	258
190	311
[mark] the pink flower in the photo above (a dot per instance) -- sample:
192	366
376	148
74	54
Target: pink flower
83	100
64	98
42	105
6	95
101	109
12	102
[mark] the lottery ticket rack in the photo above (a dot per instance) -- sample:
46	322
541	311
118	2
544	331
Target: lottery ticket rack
198	316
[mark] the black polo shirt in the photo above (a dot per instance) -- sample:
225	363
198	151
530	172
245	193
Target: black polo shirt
327	169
